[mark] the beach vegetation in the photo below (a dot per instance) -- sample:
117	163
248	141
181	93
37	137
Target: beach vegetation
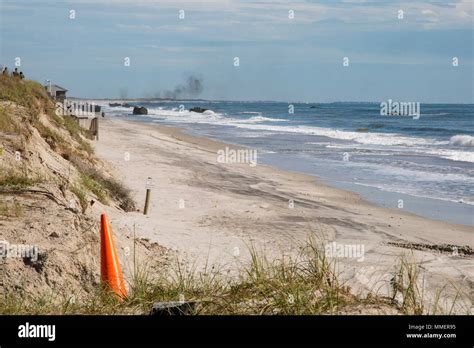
103	186
8	124
14	209
15	180
81	196
62	133
95	187
306	284
26	93
3	208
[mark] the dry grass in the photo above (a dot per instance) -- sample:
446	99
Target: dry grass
34	98
14	209
15	180
29	94
75	148
81	196
103	187
95	187
7	122
303	285
77	133
408	286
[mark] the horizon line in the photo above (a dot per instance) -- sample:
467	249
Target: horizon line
266	101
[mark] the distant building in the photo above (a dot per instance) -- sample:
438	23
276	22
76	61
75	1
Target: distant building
56	92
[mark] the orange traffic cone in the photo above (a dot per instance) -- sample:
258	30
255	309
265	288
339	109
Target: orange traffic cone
110	272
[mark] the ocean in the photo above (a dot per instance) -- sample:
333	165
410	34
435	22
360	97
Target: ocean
424	164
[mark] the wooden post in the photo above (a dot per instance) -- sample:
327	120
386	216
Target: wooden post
96	127
147	201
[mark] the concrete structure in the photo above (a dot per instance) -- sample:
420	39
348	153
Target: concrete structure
89	123
84	113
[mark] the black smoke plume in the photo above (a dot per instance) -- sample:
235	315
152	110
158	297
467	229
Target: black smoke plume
192	87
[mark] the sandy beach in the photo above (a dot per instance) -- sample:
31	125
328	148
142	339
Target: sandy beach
210	212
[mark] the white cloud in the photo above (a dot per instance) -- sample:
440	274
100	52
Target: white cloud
359	14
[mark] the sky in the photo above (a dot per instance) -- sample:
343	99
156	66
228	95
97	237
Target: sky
287	51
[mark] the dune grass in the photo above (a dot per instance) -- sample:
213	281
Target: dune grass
77	133
102	186
27	93
33	96
14	209
96	188
303	285
11	179
7	122
81	196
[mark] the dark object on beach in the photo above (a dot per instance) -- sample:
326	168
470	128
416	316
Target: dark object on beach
452	249
140	110
173	308
198	109
125	105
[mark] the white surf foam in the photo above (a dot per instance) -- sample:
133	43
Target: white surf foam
462	140
252	113
417	144
257	119
362	138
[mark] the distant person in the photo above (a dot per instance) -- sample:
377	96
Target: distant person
5	71
21	75
15	73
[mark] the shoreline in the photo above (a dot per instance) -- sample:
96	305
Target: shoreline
430	177
424	207
228	206
182	134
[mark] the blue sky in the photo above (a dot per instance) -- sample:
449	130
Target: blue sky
298	59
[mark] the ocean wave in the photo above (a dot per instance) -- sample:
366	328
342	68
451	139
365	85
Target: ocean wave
420	174
257	119
462	140
251	113
387	139
436	114
424	129
450	154
459	156
425	146
116	109
412	191
176	115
